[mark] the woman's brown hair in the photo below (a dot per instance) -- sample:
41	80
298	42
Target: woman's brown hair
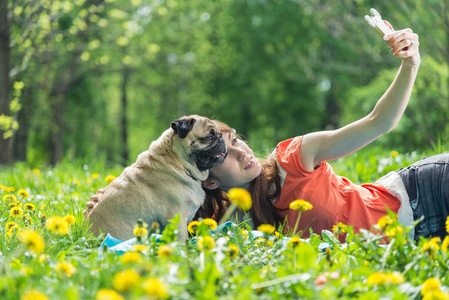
265	188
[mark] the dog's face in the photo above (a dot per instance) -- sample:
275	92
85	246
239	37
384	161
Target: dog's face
201	140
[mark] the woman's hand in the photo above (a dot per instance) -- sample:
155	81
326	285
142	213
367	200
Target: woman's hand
404	44
94	199
331	144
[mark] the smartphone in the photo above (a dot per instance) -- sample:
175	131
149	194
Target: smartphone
375	20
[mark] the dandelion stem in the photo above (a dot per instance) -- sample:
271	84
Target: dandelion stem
297	223
228	213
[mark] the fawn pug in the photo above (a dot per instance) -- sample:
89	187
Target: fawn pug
165	180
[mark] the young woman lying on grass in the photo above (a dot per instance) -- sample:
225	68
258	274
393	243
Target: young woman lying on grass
297	169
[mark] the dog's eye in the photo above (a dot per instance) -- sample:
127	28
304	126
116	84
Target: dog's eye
211	137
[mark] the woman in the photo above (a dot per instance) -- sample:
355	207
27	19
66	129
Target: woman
298	170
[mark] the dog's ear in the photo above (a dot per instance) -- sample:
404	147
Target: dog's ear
182	126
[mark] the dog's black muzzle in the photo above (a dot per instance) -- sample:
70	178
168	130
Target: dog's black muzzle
211	157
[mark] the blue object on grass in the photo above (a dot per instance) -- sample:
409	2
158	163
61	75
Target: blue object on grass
116	245
113	244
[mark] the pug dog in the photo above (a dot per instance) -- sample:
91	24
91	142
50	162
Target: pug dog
164	181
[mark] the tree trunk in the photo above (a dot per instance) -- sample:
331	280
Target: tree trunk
333	110
56	138
6	156
24	119
124	120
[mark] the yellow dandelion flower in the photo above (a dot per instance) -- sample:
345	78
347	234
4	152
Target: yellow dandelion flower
43	207
436	294
10	198
241	197
376	278
126	280
26	271
192	227
430	285
33	295
108	294
36	172
260	241
266	228
15	204
42	258
384	221
29	207
155	288
11	225
70	219
206	243
95	176
16	212
432	244
10	189
23	194
65	268
379	278
131	257
394	278
139	248
57	225
164	251
447	224
27	219
32	240
394	153
140	231
232	251
245	234
109	178
15	263
340	228
445	244
211	223
301	205
277	234
393	231
294	242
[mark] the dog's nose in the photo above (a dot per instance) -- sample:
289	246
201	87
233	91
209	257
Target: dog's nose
220	140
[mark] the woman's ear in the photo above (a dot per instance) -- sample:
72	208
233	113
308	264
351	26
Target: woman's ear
210	184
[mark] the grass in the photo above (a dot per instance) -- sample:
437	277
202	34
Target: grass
226	265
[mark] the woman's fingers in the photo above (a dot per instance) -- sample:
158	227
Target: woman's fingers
388	24
403	43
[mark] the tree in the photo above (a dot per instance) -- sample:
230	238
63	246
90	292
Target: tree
6	121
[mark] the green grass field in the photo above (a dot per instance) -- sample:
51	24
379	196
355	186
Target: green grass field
47	253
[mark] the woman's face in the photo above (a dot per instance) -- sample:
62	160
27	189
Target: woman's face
240	166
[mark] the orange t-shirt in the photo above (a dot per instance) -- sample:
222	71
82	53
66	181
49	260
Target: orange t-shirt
334	198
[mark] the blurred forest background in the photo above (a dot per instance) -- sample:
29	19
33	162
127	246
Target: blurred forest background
103	78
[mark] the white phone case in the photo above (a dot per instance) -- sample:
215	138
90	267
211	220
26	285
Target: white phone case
375	20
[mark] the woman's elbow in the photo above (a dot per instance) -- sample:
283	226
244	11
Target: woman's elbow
382	125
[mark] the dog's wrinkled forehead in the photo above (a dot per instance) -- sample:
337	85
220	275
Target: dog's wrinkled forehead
204	126
194	127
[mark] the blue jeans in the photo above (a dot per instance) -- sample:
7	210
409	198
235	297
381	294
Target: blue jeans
427	185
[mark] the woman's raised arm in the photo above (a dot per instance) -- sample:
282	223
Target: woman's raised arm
327	145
